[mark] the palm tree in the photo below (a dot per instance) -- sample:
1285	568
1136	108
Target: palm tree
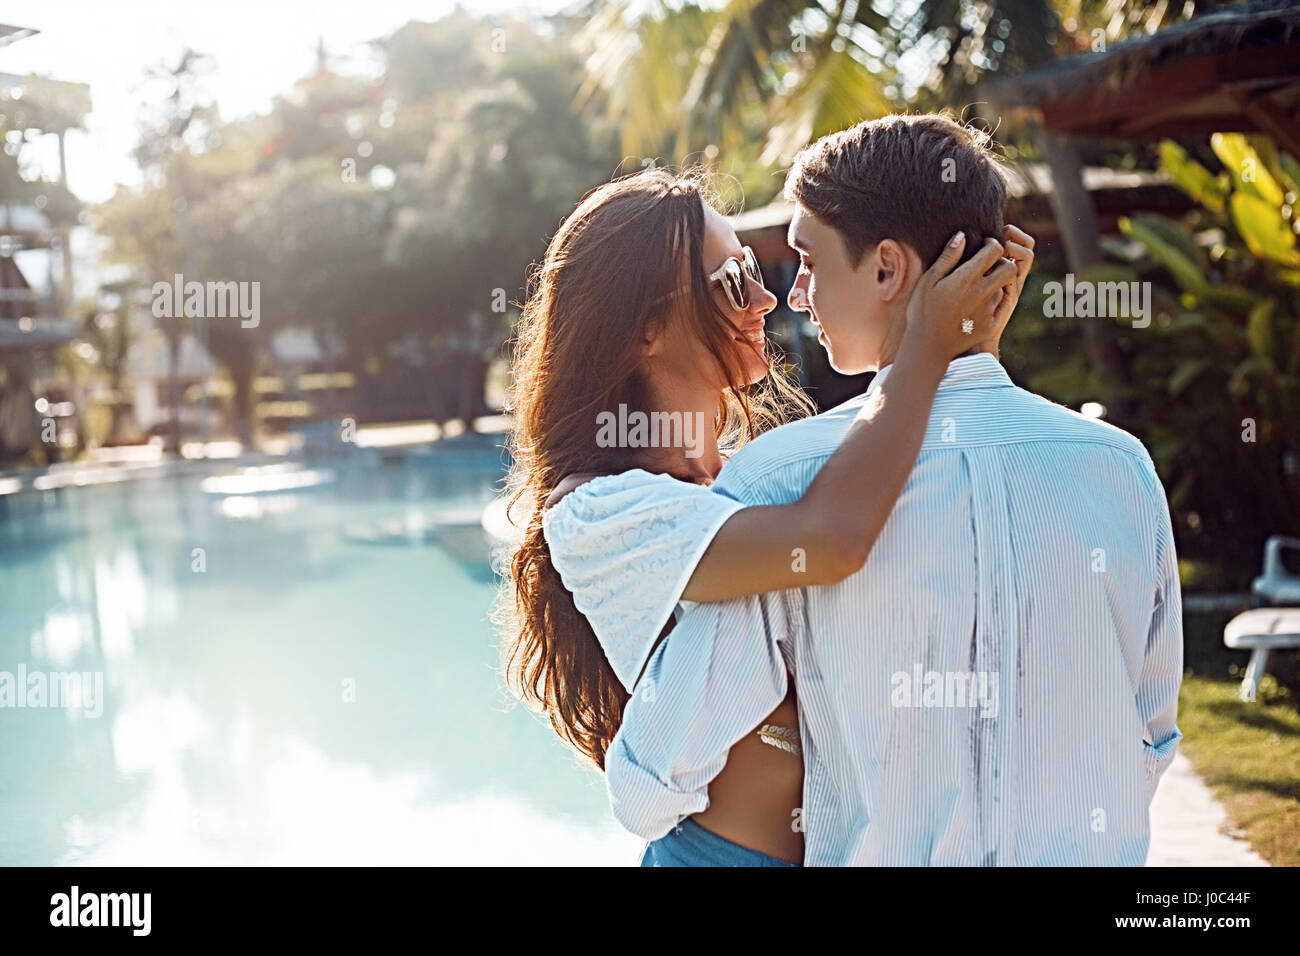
753	79
757	79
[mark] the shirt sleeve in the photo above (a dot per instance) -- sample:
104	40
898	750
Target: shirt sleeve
625	545
1162	665
720	672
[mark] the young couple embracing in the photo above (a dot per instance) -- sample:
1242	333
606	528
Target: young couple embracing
723	632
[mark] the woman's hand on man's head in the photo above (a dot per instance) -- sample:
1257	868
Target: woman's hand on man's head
1018	246
955	308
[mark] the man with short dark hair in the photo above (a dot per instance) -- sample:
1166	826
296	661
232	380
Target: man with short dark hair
879	197
999	684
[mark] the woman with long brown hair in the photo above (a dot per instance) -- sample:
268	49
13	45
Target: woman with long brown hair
640	363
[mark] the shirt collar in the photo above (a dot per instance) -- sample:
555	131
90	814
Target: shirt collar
980	370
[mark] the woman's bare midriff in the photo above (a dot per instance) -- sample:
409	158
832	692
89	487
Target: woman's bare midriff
754	801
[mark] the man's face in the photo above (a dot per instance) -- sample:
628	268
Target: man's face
849	304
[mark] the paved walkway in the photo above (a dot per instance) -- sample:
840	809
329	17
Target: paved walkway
1188	824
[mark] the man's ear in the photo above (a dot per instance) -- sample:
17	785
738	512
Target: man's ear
892	267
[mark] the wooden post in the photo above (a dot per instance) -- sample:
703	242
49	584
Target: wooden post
1070	200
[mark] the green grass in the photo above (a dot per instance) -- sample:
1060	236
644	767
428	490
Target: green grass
1249	756
1247	753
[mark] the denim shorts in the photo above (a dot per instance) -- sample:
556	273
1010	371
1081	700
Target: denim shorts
689	844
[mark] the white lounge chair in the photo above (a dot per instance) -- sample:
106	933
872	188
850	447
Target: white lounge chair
1277	585
1268	629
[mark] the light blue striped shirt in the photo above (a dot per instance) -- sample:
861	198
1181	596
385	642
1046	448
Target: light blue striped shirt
997	686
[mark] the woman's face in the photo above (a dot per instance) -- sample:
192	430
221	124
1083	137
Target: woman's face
750	338
688	359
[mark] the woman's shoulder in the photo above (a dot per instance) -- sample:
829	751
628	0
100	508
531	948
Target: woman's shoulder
568	484
587	487
586	509
625	545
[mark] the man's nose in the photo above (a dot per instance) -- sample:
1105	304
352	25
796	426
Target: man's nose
798	297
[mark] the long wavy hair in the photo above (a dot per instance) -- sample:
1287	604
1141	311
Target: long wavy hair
612	275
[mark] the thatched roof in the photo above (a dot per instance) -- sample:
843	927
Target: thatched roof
1231	70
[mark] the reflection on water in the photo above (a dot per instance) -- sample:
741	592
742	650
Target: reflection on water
297	674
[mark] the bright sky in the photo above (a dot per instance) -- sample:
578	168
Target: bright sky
259	48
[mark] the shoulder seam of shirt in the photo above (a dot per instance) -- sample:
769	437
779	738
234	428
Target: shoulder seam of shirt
796	456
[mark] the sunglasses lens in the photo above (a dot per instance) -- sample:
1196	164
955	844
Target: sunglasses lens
734	283
751	264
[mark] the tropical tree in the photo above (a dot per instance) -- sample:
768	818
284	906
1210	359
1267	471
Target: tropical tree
741	86
1215	384
744	85
169	129
503	167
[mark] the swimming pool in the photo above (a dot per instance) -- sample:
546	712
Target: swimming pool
297	668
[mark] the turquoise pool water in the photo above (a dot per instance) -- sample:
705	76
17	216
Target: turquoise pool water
300	676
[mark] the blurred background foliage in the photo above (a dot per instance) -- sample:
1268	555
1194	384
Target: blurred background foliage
1215	384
